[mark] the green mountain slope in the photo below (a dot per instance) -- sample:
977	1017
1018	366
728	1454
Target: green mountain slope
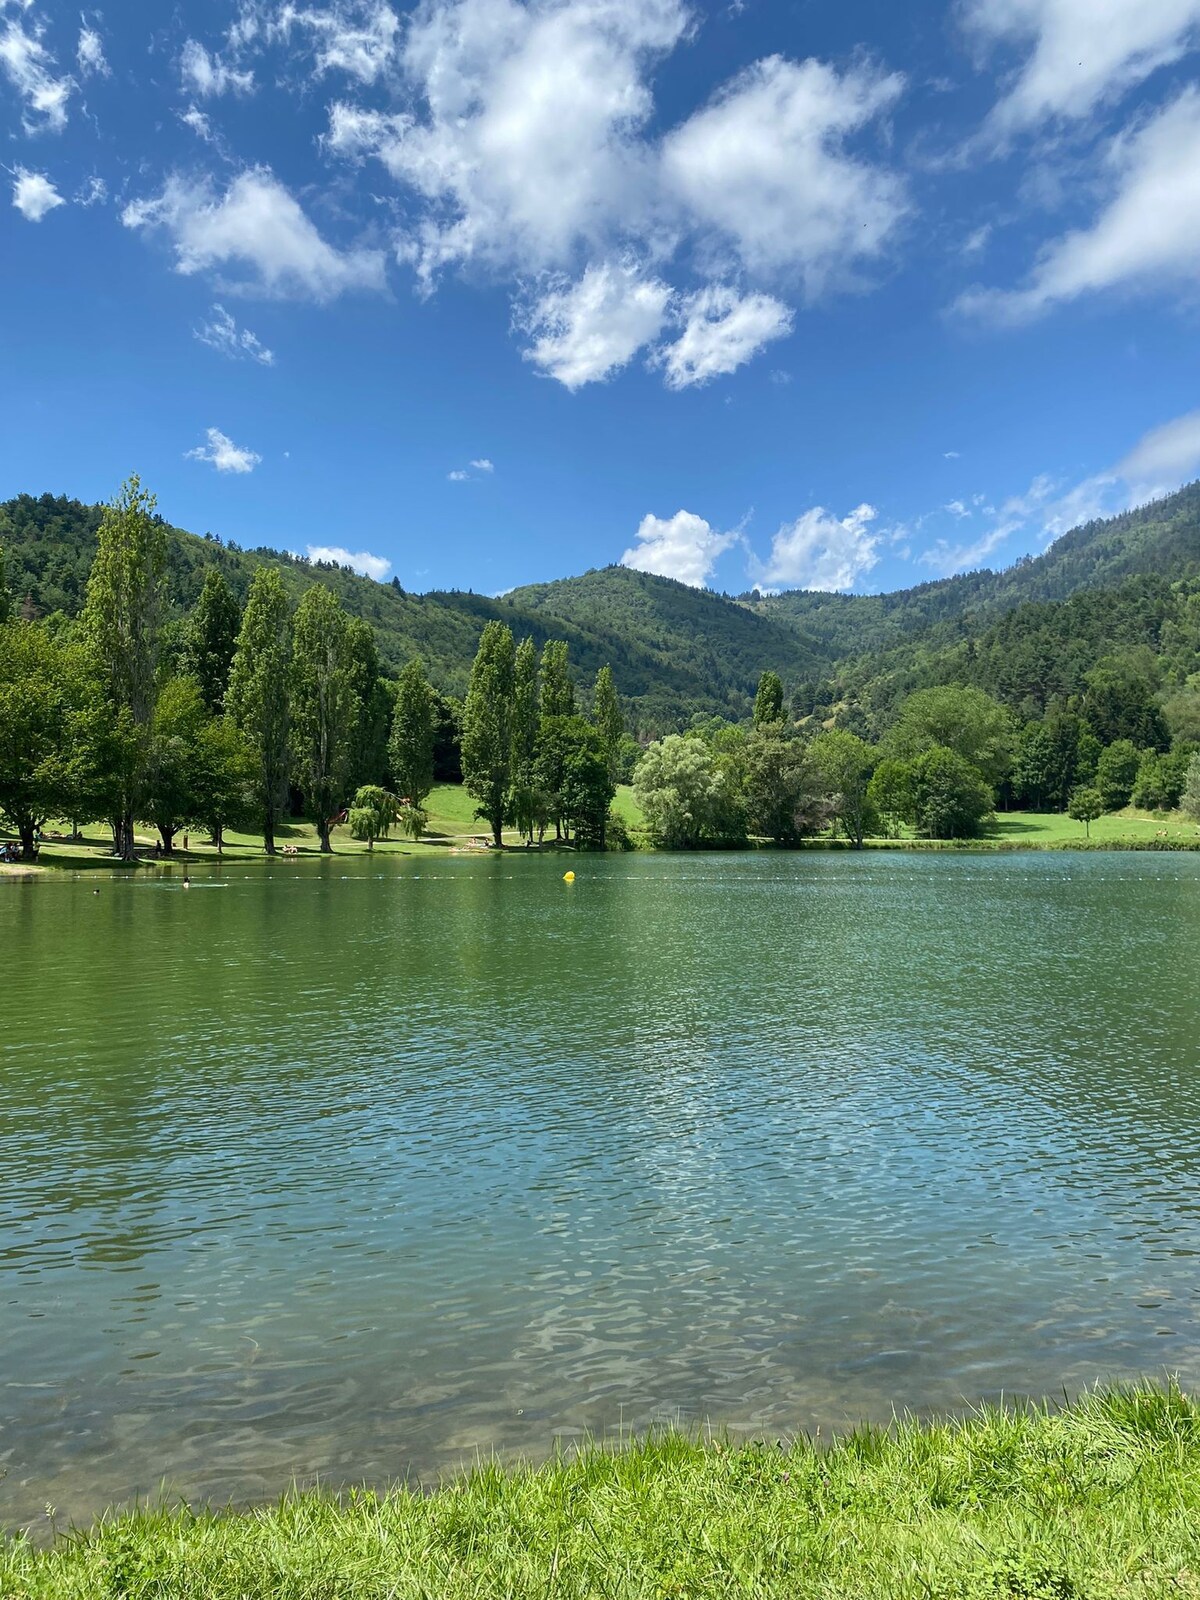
673	650
1162	538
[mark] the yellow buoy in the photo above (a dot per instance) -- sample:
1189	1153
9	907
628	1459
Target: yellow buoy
568	877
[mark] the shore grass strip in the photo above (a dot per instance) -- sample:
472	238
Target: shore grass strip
1095	1501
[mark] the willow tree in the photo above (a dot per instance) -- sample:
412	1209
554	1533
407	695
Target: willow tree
258	697
324	705
121	621
487	726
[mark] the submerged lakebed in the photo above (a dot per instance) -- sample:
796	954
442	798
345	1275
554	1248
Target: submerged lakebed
361	1169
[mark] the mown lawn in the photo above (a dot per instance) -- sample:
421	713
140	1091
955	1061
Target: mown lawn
1095	1502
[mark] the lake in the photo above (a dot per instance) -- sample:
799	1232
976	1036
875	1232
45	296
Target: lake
361	1169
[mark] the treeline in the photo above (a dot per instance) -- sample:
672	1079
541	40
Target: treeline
951	755
244	716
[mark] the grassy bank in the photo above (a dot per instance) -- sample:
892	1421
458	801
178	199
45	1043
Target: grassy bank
454	829
1093	1502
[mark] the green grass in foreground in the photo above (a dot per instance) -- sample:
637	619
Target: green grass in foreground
1093	1502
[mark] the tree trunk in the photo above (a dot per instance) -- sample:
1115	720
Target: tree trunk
167	835
269	831
323	836
27	831
125	837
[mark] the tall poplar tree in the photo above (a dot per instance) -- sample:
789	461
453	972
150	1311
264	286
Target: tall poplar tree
369	735
410	748
558	692
212	636
768	702
121	620
524	738
609	721
324	705
487	726
258	696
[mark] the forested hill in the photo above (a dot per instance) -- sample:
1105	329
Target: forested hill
1162	538
673	650
1025	634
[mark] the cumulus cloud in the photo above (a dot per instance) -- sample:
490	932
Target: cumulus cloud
525	145
1144	237
89	53
357	37
484	465
257	226
684	547
203	74
820	551
27	64
360	560
1081	53
766	166
221	452
479	468
34	195
222	333
721	331
583	332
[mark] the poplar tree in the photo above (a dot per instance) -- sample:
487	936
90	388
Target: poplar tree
608	720
5	602
369	735
324	706
410	748
525	738
768	702
487	726
212	638
258	694
121	620
558	692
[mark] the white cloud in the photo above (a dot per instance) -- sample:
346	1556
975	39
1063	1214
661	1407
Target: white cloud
951	455
1146	236
684	547
34	195
957	509
361	560
222	453
481	468
259	226
584	332
198	122
222	333
358	37
93	193
766	166
527	144
820	551
204	74
26	64
721	331
1163	458
1084	52
89	53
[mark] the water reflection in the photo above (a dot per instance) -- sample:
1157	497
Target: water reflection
358	1170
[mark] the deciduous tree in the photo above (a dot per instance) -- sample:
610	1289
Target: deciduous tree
411	745
487	726
211	639
324	706
259	696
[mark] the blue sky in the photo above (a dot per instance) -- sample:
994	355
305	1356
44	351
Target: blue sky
483	292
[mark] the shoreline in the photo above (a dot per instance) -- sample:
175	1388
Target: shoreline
1090	1500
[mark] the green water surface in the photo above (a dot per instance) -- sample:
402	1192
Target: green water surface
356	1170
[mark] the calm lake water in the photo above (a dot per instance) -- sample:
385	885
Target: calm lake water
361	1169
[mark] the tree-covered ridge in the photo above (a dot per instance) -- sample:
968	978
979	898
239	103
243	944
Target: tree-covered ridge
674	650
1162	538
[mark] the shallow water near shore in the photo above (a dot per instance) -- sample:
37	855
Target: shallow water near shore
360	1169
